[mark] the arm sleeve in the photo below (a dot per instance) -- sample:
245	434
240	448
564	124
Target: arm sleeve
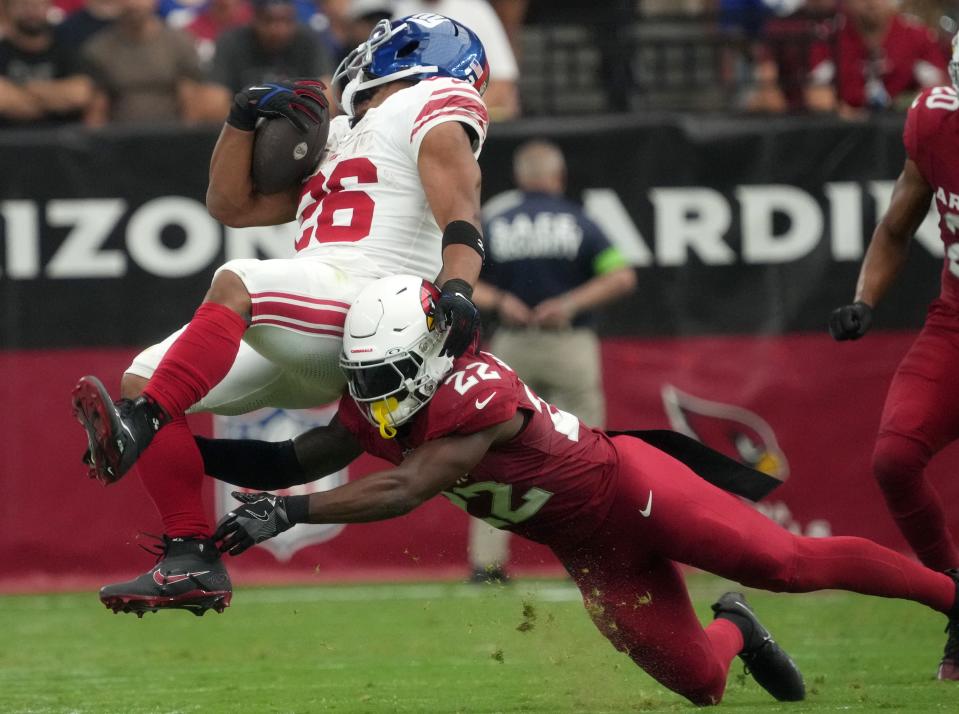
449	100
250	463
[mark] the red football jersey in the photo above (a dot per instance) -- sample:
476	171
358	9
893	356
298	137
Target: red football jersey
931	137
552	483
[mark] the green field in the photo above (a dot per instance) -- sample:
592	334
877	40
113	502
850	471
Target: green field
436	648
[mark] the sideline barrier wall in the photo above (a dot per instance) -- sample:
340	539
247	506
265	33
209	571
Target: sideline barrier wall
745	234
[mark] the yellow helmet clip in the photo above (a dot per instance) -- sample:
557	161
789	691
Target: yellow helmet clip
381	412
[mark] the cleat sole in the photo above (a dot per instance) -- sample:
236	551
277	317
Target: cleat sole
93	408
195	601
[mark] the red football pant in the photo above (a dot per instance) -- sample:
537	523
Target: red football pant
634	592
921	416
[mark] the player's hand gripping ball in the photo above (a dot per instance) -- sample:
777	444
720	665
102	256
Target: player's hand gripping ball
292	122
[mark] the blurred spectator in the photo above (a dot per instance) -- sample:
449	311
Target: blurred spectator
361	16
330	25
502	95
879	59
39	78
81	25
274	46
781	57
217	17
935	14
147	72
512	13
548	268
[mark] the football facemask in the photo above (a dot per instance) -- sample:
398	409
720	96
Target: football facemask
391	351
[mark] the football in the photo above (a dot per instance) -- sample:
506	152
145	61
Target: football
283	155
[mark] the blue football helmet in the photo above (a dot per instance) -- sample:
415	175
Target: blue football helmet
414	48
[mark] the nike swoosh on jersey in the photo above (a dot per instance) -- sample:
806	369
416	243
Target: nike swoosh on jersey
482	404
644	512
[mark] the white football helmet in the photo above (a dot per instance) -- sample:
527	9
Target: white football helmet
391	350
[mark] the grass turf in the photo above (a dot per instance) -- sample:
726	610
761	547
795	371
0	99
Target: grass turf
528	647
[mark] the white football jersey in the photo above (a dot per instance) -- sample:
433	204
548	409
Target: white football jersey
364	209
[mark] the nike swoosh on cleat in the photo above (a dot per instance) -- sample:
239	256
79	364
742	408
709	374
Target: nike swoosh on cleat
644	512
161	579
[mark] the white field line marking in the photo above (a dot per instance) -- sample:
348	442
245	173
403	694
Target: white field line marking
544	592
373	593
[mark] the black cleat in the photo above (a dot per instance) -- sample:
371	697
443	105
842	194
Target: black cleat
189	575
766	661
949	666
117	433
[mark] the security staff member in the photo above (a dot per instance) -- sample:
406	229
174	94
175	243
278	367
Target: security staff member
548	267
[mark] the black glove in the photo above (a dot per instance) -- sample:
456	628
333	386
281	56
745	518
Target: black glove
262	516
850	322
455	310
301	101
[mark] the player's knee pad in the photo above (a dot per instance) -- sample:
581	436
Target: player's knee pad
898	460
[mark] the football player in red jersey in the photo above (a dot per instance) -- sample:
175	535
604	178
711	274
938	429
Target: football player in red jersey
920	416
618	512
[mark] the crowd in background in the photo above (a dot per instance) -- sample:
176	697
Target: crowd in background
150	61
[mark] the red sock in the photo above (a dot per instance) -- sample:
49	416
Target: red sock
198	360
171	470
726	640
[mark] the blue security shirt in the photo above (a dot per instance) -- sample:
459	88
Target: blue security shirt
541	245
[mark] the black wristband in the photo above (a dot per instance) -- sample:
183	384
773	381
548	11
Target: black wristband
297	509
464	233
241	116
458	285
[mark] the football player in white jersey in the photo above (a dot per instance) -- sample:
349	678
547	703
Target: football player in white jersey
396	190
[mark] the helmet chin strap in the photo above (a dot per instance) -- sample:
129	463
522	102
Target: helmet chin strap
355	86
